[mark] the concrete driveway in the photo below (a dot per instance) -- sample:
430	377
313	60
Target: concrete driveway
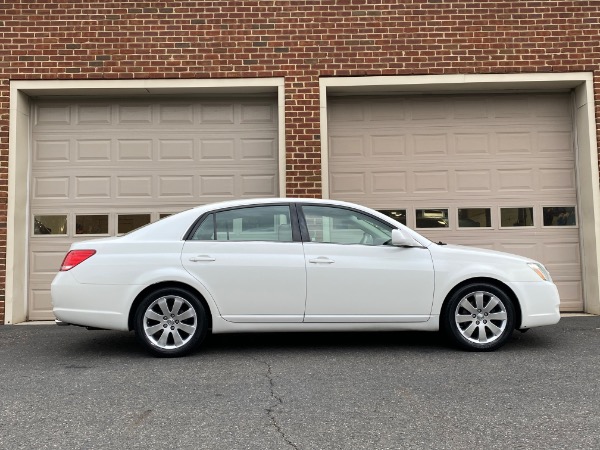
66	387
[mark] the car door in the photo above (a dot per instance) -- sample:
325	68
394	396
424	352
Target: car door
251	261
355	275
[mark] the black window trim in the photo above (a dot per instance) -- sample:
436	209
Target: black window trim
293	220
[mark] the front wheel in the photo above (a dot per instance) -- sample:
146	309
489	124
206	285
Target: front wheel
479	317
170	322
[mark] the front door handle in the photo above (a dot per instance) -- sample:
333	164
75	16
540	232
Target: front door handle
321	260
202	258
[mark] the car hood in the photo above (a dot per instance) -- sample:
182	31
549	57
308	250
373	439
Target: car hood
477	253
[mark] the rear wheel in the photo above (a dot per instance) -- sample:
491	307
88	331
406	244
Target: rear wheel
479	317
170	322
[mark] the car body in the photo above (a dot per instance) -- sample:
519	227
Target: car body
283	264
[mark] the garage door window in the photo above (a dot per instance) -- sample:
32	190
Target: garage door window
91	224
130	222
48	225
516	217
559	216
474	218
432	218
396	214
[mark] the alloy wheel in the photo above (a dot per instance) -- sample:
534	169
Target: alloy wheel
170	322
481	317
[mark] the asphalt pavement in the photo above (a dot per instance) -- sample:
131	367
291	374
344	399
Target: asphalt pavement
70	388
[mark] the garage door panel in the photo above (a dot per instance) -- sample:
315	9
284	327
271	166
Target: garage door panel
129	160
128	186
258	149
88	187
49	187
389	182
176	149
511	180
217	185
347	183
472	144
52	114
93	150
258	185
341	115
217	149
182	114
344	146
552	106
560	142
570	295
473	181
431	144
222	113
507	185
134	150
429	109
257	113
557	179
50	150
181	186
513	142
472	108
562	259
465	152
129	114
47	262
93	115
430	181
40	303
393	145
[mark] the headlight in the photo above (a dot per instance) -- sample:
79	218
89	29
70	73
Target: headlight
541	271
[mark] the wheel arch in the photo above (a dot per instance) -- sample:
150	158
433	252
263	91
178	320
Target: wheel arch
167	284
494	282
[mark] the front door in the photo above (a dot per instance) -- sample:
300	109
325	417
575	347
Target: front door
355	275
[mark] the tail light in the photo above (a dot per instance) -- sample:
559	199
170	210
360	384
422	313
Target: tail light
74	258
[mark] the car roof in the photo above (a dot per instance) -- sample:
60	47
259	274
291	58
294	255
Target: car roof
273	200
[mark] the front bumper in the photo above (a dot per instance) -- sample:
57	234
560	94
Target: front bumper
539	303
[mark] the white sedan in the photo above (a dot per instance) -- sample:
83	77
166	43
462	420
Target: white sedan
296	265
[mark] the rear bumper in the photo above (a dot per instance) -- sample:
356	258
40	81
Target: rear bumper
96	306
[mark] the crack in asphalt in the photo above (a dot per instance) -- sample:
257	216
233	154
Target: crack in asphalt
271	410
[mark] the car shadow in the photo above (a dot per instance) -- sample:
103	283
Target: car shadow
312	341
119	344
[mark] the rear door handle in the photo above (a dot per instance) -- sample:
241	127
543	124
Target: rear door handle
321	260
202	258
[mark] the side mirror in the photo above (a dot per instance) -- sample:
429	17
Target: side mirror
399	239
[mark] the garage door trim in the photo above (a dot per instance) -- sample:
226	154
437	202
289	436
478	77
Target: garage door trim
21	94
581	83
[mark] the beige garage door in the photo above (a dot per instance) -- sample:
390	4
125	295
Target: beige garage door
104	167
493	171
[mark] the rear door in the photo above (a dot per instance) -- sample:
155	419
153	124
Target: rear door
251	261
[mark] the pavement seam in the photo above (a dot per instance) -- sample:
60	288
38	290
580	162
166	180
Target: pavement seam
271	410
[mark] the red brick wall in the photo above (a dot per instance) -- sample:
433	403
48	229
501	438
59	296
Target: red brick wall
299	40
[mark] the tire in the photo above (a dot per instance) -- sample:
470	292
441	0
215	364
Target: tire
170	322
479	317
